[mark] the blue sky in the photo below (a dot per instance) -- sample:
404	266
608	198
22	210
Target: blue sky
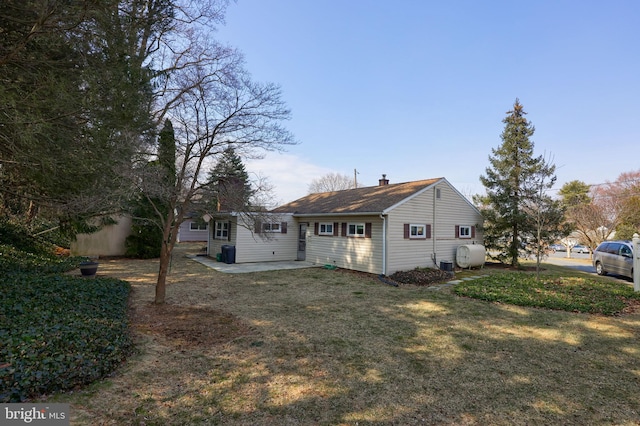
417	89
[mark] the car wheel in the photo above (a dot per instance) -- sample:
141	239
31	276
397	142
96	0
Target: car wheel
599	269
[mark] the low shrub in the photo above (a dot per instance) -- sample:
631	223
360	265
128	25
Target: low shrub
59	331
421	276
13	260
573	294
17	237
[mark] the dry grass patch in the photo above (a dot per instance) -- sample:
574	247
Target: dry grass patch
315	346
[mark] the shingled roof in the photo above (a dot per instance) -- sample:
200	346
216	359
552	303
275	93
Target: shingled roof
371	199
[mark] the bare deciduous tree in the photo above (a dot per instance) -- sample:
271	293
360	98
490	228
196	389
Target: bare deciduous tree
331	182
214	105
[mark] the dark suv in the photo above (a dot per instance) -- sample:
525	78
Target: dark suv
615	257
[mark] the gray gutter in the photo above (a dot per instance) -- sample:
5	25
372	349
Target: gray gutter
336	214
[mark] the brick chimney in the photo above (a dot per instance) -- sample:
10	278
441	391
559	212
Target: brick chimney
384	181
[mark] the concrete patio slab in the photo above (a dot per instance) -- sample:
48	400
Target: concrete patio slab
241	268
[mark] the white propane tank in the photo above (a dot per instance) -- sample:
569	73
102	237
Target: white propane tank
470	255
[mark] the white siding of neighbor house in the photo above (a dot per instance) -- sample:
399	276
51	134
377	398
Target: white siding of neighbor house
252	247
356	253
451	209
186	234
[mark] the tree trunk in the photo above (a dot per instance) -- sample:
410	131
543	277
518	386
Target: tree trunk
169	238
165	257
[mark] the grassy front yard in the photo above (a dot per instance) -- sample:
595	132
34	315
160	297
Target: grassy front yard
331	347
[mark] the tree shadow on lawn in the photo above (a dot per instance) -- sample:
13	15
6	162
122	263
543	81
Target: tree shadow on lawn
317	347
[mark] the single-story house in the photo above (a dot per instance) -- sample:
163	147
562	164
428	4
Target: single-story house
380	229
193	230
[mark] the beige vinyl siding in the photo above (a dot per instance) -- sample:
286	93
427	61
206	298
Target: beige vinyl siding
356	253
451	209
406	254
251	247
108	241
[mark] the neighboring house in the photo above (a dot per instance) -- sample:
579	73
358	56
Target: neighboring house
108	241
380	229
193	230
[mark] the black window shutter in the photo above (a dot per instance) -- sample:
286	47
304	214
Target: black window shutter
335	229
283	227
457	231
344	229
406	231
367	230
428	231
316	227
229	231
257	227
473	232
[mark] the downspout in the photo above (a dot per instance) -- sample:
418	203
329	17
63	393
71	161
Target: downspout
434	231
211	230
384	244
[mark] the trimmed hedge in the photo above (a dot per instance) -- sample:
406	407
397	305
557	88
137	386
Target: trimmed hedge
59	331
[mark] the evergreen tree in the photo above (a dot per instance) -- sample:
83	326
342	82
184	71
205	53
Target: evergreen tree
74	108
228	186
153	204
574	193
510	185
167	152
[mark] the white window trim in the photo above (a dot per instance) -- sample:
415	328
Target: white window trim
356	225
326	226
413	226
464	231
222	228
269	227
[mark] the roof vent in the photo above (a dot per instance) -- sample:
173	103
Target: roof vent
384	181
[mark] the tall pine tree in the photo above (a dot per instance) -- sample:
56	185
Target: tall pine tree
228	184
509	187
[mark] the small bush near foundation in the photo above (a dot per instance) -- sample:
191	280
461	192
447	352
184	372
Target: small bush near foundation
421	276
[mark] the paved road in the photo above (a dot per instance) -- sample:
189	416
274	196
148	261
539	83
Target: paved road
579	261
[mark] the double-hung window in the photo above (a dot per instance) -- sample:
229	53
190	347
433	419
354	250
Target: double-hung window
417	231
271	227
325	229
464	231
222	231
355	230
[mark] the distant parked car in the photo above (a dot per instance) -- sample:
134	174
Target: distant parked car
557	247
580	249
615	257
